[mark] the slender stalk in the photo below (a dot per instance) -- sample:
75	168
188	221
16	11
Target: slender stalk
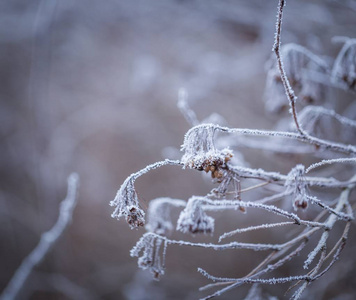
47	241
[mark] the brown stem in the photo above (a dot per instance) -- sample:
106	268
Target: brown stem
288	88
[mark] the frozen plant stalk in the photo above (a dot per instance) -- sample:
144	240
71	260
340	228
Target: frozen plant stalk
310	74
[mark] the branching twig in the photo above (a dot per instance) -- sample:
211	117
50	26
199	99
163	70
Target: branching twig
47	241
202	153
276	48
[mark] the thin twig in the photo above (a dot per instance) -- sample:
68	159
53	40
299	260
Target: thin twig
47	241
329	162
276	48
250	228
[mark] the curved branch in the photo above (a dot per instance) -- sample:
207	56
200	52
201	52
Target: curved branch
47	241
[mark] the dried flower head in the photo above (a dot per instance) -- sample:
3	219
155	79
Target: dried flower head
193	219
126	201
201	153
150	244
158	215
296	184
344	69
127	204
306	73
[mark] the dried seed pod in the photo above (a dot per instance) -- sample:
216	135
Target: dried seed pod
301	203
135	218
243	209
227	158
218	174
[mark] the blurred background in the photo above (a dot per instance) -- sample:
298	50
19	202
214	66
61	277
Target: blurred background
92	86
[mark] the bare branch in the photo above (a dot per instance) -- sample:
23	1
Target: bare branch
47	241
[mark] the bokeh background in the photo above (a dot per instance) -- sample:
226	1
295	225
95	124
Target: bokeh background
91	87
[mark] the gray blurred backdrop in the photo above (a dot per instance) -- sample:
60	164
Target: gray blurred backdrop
91	86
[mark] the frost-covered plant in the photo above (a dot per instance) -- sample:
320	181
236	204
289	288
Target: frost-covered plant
301	67
150	246
297	186
159	219
344	69
193	218
204	150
